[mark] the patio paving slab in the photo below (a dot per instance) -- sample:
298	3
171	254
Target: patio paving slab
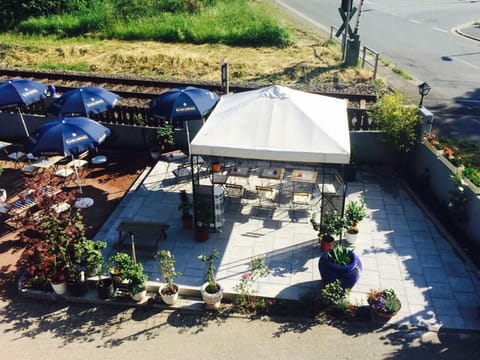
399	245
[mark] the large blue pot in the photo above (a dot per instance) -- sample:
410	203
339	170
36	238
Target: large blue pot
330	271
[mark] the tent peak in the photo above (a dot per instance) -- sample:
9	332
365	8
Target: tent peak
275	92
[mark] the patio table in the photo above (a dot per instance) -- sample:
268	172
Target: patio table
240	171
4	145
46	163
131	227
271	173
304	176
176	155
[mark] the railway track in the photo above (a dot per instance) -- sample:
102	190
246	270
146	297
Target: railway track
139	91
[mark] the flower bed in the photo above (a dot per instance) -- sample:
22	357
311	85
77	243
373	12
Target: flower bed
462	154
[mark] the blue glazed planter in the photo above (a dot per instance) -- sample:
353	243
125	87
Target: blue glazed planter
330	271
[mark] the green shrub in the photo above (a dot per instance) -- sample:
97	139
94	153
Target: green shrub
336	294
401	123
473	175
341	255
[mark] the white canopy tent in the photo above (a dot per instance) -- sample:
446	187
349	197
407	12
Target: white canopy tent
279	124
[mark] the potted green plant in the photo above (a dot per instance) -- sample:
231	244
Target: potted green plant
76	281
169	292
384	303
165	135
340	263
204	217
136	279
120	263
185	206
355	212
91	257
105	289
211	290
332	225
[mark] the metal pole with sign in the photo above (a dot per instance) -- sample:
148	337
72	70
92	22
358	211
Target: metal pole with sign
225	85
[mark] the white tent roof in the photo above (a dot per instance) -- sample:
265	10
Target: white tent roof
277	123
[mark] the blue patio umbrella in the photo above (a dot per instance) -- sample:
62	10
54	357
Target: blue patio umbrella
189	103
183	104
84	101
68	136
18	92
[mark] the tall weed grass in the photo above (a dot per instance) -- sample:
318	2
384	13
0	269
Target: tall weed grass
232	22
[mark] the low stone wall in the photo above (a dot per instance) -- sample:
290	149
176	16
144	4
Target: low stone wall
428	163
367	147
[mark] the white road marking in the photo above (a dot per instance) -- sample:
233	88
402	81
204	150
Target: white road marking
467	63
438	29
414	21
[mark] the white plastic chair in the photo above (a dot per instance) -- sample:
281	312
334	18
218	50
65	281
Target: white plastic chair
3	204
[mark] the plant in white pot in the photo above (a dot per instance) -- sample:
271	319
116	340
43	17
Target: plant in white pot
211	290
169	292
137	281
355	212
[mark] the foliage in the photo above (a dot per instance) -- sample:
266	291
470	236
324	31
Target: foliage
473	175
332	224
50	239
210	274
135	277
120	261
458	201
384	301
355	211
14	11
400	123
204	215
459	153
167	268
90	254
245	299
337	294
234	22
185	204
165	134
341	255
130	271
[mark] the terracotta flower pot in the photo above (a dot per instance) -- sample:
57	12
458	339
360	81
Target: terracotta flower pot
187	222
201	234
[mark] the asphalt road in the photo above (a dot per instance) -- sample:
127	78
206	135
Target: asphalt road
419	38
40	330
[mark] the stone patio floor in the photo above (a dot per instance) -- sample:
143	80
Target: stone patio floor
399	247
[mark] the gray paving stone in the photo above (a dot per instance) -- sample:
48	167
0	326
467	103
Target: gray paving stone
399	248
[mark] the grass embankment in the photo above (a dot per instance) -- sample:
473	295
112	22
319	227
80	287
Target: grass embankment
304	58
233	22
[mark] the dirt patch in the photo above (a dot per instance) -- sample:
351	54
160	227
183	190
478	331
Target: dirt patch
106	185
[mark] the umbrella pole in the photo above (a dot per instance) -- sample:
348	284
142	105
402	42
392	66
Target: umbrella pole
188	139
76	174
23	121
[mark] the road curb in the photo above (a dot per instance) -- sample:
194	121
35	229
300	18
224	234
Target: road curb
461	33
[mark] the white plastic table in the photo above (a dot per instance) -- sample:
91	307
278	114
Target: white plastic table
83	203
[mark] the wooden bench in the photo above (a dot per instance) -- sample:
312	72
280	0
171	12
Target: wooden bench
132	227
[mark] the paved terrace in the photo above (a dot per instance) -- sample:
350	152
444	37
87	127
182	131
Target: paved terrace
399	247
